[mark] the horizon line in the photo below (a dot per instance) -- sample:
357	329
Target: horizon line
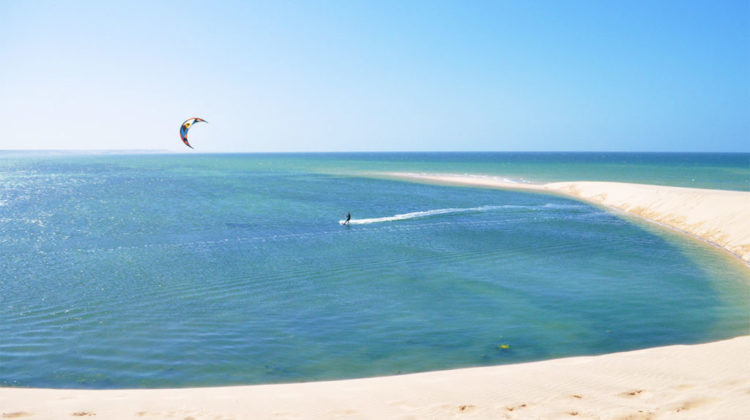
175	151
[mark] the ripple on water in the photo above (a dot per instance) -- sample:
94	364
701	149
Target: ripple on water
147	274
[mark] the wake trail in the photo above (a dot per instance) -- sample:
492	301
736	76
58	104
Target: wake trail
426	213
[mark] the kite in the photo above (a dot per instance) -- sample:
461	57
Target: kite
186	126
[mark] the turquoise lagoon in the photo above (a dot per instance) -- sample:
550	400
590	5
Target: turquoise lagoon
173	270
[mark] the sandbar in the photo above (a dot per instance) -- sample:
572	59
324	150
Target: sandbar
720	217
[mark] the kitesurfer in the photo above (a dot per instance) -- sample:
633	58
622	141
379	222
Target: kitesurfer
348	218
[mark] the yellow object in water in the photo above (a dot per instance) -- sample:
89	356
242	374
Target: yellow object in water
504	346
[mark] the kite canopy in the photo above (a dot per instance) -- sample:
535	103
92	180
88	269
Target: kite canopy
186	126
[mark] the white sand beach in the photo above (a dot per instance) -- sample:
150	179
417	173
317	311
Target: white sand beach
703	381
716	216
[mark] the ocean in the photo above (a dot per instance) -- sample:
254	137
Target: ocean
173	270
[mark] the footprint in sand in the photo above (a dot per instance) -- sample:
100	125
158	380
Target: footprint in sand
690	404
512	408
83	414
466	408
631	393
15	415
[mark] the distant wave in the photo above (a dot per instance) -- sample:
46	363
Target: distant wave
426	213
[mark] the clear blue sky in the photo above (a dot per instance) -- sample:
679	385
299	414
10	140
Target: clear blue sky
377	76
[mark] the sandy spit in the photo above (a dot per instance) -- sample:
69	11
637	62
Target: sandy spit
718	216
704	381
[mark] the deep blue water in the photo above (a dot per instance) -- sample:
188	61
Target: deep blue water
183	270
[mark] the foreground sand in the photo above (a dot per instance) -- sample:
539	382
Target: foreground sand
716	216
705	381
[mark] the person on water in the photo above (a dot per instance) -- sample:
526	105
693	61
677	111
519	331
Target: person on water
348	218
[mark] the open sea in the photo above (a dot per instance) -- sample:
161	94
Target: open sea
175	270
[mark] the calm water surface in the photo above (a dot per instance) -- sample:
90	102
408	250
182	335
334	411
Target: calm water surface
182	270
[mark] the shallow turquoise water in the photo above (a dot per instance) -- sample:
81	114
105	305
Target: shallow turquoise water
728	171
697	170
183	270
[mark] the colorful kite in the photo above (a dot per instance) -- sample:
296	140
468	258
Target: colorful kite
186	126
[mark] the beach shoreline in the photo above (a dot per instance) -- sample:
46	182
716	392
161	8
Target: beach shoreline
697	381
717	217
710	380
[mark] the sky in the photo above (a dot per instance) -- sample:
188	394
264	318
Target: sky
319	76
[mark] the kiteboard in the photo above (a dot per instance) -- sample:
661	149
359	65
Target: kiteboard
343	222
